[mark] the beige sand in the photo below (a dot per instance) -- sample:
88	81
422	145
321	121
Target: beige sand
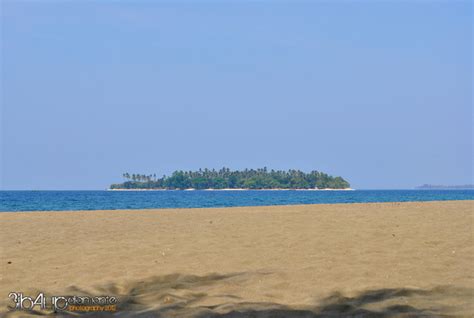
303	261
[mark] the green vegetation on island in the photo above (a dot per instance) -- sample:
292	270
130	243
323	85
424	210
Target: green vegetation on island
232	179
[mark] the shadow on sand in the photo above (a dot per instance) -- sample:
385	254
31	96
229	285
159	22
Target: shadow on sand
188	296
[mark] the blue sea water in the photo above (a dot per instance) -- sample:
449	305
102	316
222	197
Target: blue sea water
111	200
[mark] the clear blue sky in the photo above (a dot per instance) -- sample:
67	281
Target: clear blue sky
377	92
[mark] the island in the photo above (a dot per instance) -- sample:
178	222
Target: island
226	179
445	187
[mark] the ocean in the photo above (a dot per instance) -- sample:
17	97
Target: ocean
113	200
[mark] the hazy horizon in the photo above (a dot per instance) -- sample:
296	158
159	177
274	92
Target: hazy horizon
379	93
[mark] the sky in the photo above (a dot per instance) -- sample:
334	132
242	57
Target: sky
379	92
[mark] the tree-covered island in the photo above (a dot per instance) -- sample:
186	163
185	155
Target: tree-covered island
233	179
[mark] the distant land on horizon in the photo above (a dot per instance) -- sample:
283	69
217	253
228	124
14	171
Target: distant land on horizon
435	186
258	179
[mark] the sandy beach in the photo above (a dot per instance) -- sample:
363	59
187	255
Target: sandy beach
400	259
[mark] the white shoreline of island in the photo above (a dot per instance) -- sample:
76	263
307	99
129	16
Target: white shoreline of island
232	189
